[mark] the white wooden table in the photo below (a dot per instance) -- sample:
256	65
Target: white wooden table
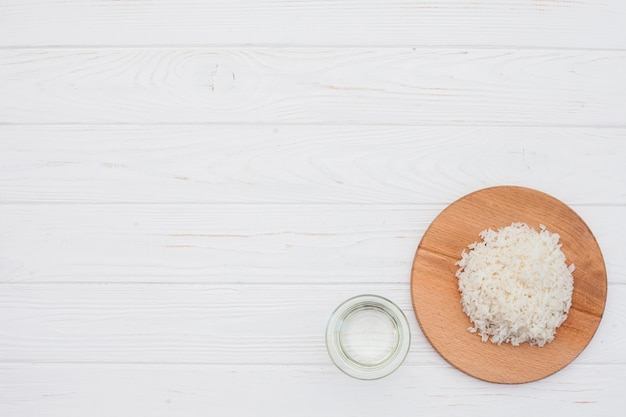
189	188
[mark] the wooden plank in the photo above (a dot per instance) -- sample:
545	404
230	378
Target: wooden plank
235	243
314	85
527	23
305	164
213	324
65	390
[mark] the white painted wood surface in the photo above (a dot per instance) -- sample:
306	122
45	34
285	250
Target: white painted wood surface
313	85
188	189
527	23
217	243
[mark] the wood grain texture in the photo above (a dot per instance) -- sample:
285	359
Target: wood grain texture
188	188
434	287
305	164
314	85
234	243
527	23
237	324
66	390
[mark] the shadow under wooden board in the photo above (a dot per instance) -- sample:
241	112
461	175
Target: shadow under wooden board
436	298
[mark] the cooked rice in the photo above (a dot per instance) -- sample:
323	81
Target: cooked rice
515	285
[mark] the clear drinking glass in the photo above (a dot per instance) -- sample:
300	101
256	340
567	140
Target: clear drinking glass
368	337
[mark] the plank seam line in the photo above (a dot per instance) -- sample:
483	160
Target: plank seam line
226	283
348	124
400	205
270	45
257	364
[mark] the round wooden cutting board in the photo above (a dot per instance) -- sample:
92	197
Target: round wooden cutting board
436	299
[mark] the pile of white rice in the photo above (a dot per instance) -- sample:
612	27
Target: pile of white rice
515	285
